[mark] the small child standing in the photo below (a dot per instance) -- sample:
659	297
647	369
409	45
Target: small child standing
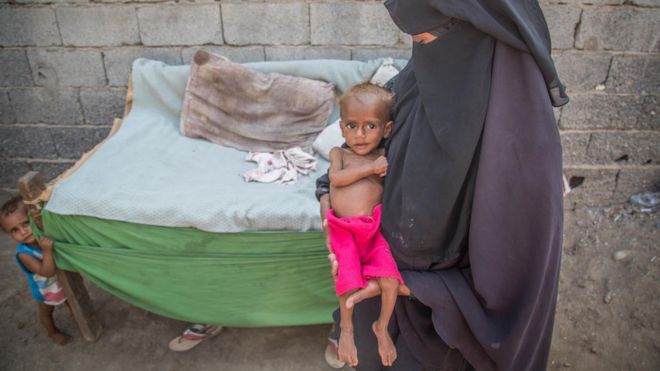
354	218
36	260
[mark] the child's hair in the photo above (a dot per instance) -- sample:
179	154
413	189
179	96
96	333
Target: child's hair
368	89
10	206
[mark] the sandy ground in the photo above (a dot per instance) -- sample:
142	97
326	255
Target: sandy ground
134	339
608	315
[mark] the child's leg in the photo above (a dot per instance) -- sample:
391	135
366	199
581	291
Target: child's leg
346	351
389	288
46	319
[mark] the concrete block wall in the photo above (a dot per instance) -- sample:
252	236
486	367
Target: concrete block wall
64	66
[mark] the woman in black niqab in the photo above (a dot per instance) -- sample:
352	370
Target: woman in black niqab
472	204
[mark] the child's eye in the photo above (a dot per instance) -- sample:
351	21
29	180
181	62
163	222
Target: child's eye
371	125
350	125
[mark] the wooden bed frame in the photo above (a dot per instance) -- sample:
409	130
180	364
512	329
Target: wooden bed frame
36	193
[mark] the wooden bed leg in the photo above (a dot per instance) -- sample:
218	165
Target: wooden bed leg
80	304
30	186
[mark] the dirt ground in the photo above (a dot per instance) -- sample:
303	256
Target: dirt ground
608	315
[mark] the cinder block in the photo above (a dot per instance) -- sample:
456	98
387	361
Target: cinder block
562	20
636	180
589	2
28	26
67	67
50	170
405	40
6	112
27	142
15	70
625	148
619	28
241	54
105	25
365	54
635	74
118	62
42	105
352	23
71	143
580	71
620	148
101	106
180	24
647	3
276	24
139	1
574	148
596	188
283	53
604	111
10	171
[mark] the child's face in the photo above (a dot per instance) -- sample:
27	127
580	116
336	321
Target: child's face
17	226
363	124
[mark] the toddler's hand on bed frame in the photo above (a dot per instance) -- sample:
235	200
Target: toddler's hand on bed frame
46	244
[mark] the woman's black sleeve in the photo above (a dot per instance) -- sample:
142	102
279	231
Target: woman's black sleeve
322	186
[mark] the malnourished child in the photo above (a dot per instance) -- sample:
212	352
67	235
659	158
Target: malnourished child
354	219
36	261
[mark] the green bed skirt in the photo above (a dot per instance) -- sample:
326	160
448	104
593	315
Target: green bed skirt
234	279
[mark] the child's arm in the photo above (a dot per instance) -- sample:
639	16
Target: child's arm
45	267
340	177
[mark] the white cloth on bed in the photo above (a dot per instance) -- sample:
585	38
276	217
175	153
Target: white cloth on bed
280	167
148	173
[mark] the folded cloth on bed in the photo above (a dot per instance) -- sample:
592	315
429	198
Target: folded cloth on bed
280	167
148	173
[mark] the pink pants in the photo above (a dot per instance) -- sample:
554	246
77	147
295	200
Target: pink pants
362	252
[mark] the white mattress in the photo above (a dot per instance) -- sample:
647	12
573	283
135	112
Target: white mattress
148	173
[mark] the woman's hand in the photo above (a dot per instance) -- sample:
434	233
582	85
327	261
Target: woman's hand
380	166
424	38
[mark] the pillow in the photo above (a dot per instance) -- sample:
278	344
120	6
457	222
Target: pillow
232	105
330	137
384	73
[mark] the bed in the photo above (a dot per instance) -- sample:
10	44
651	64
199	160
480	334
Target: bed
166	223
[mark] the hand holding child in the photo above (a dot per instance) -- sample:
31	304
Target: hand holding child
380	166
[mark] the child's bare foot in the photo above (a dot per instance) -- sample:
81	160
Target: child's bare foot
59	338
386	347
347	351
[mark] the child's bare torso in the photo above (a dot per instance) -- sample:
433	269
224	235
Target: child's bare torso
360	197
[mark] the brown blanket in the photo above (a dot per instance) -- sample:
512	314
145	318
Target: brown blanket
229	104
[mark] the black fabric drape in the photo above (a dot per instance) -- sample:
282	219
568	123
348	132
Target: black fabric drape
472	203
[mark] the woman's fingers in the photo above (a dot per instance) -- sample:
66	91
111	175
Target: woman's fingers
328	244
372	289
404	290
334	266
